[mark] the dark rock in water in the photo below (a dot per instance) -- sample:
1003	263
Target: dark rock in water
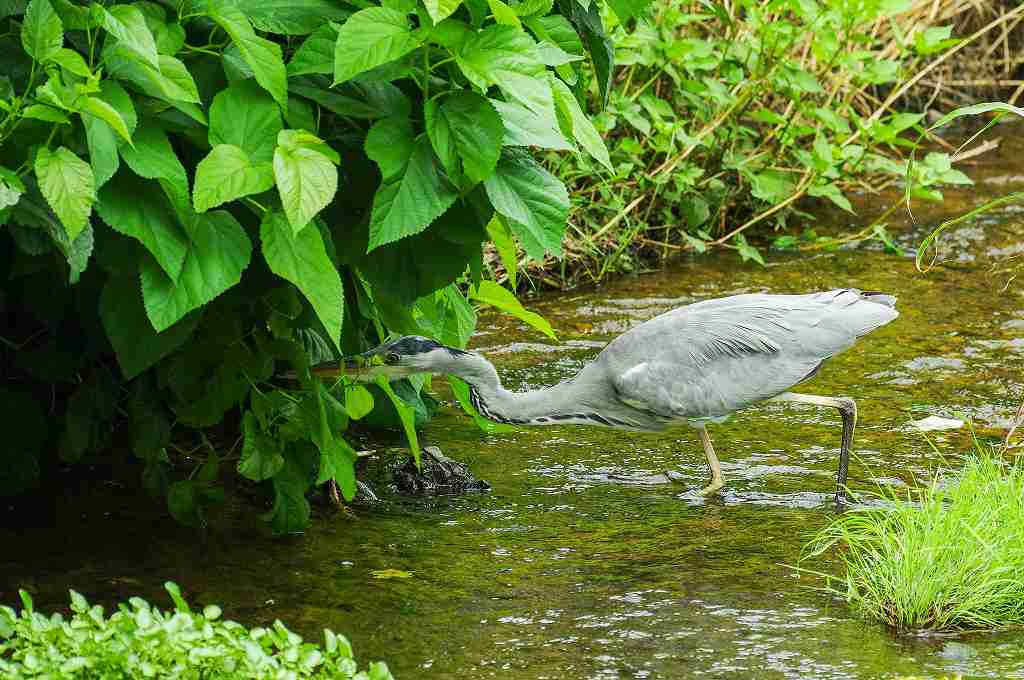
438	476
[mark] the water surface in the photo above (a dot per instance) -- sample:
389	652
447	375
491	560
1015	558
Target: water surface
579	565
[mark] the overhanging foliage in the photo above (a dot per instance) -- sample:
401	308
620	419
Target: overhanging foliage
193	193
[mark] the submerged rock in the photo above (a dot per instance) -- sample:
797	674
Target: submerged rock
394	468
936	424
438	475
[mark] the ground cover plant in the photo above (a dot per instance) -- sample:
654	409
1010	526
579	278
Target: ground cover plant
198	194
729	119
946	556
142	641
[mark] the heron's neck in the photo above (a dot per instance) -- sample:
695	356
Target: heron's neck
561	404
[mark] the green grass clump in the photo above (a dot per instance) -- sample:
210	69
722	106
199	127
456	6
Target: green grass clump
140	641
950	559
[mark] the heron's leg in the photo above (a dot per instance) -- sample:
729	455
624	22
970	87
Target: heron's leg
848	410
716	470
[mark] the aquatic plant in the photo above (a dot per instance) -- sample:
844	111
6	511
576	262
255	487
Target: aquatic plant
142	641
948	555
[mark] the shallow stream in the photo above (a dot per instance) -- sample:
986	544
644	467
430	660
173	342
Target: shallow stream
572	566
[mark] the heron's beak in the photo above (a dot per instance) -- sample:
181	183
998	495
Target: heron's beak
365	367
348	366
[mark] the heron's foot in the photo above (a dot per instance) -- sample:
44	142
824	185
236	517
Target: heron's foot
712	488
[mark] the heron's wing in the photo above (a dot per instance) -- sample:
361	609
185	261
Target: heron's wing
711	358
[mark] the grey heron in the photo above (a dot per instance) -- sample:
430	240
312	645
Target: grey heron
693	365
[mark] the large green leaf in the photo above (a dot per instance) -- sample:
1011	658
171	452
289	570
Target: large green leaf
108	114
446	316
128	24
72	61
170	38
172	82
337	462
389	143
67	183
102	143
306	178
74	17
360	100
77	252
153	157
358	401
316	53
136	345
245	116
290	514
337	458
263	56
467	133
302	260
410	202
132	207
501	237
418	265
32	211
113	94
441	9
587	19
184	503
218	253
556	29
261	455
87	415
291	17
228	173
506	56
584	131
535	202
371	37
42	33
524	127
493	294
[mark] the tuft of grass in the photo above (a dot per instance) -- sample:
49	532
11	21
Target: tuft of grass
951	558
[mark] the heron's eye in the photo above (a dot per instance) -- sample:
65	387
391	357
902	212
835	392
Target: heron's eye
391	358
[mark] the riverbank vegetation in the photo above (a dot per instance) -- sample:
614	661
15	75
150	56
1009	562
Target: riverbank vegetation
198	196
948	555
729	120
142	641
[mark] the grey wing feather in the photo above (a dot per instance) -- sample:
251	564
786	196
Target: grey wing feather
714	357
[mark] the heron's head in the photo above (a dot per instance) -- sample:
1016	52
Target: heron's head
405	356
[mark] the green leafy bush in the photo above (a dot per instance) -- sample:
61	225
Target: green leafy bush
141	641
947	556
195	192
726	117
